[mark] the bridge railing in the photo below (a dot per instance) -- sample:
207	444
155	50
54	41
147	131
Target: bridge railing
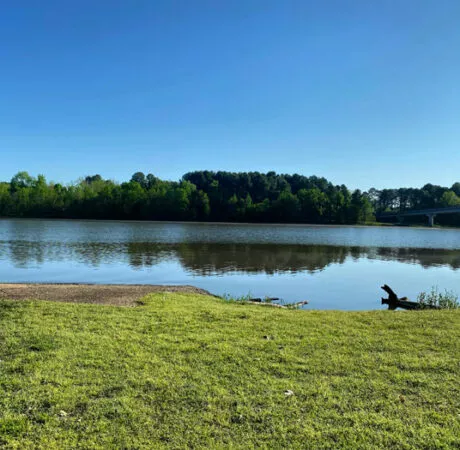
421	212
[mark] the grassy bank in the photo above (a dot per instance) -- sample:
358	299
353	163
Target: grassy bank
185	370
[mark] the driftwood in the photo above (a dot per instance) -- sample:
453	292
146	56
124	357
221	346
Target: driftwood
275	305
299	304
393	301
268	302
262	300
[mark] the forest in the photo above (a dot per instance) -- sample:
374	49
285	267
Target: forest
217	196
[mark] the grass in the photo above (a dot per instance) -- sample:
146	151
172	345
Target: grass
189	371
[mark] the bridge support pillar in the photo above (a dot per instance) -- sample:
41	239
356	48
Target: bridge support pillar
431	219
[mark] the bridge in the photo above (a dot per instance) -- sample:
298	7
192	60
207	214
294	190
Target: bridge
430	213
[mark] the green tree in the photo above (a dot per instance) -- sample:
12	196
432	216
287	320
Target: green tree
199	205
313	204
5	199
151	180
450	198
20	181
90	179
286	208
140	178
132	199
361	209
232	207
456	188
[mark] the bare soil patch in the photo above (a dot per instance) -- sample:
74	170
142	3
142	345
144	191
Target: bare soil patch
104	294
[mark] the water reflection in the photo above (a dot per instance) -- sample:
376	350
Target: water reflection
219	259
216	259
210	259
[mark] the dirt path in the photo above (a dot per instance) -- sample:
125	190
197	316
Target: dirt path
103	294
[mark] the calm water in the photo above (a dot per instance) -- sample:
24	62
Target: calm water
332	267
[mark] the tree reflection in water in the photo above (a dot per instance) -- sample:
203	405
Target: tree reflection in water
215	259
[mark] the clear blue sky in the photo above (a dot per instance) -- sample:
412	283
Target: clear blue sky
365	93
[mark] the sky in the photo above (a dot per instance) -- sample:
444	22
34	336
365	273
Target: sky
364	93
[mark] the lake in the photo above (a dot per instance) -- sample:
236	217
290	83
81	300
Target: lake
334	267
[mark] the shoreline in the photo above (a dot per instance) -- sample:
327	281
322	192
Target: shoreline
100	294
267	224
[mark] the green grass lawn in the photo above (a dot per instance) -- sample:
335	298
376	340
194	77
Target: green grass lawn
189	371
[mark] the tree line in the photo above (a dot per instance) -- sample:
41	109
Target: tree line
214	196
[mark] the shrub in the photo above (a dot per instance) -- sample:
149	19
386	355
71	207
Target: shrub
446	300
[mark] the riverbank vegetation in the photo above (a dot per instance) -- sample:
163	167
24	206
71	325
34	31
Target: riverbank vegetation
216	196
192	371
435	298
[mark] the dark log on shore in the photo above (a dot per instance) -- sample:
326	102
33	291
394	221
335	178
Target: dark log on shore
263	300
393	301
299	304
267	302
274	305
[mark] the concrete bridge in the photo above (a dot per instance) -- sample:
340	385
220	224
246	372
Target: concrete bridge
429	213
